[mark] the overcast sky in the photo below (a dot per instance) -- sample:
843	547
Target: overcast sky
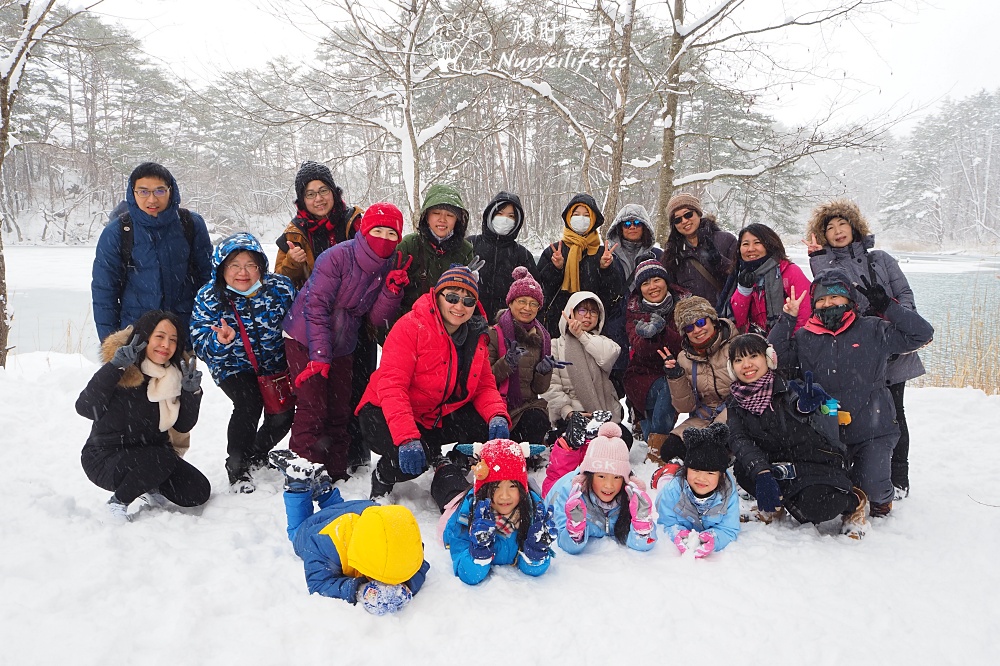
914	60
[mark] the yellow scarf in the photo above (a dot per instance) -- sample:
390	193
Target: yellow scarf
578	244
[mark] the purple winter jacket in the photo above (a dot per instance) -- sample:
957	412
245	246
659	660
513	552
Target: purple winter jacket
347	282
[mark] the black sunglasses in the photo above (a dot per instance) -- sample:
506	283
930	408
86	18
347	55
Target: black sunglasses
467	301
686	216
700	323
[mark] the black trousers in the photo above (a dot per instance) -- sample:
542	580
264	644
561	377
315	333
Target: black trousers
133	471
901	454
364	364
816	503
532	426
248	445
462	426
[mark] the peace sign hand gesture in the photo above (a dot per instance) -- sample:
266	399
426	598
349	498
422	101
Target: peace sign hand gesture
792	303
811	244
558	260
670	367
224	333
608	256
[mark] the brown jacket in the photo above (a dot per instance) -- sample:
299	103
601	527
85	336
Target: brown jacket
532	383
299	273
713	381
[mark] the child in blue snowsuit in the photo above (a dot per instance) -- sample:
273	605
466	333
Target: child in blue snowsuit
353	550
702	496
500	521
601	498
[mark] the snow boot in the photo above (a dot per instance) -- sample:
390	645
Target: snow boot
665	473
243	484
654	443
117	512
154	500
855	524
300	474
380	491
881	510
900	492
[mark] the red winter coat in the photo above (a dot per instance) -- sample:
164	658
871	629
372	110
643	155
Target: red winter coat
419	372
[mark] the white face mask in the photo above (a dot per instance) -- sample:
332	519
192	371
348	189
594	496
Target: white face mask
579	223
502	225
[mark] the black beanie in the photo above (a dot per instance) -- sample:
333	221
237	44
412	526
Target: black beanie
707	448
308	172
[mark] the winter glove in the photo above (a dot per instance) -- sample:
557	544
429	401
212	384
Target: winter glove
576	515
126	355
313	368
381	599
640	507
499	429
811	396
483	531
746	279
398	278
878	300
679	541
707	544
190	375
475	265
767	492
514	354
548	364
675	372
576	430
648	329
412	459
541	533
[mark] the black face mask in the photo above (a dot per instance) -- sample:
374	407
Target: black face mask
831	317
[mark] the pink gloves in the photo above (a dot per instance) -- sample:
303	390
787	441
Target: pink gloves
707	545
640	507
576	515
313	368
679	541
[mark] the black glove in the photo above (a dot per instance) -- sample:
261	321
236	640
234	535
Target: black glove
126	355
675	372
548	364
767	492
648	329
875	293
190	375
746	278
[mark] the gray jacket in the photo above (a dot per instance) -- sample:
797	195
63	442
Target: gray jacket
859	259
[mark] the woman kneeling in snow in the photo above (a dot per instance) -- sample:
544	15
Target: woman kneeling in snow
600	498
500	521
143	389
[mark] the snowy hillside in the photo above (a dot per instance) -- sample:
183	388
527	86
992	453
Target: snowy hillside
222	585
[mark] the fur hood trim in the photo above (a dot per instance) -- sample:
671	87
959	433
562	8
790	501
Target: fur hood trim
132	377
842	208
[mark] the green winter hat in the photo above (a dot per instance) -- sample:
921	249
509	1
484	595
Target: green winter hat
442	195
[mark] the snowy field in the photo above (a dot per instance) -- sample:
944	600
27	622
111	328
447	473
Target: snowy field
221	585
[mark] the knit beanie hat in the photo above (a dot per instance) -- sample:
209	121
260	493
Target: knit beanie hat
385	544
650	268
308	172
691	309
707	448
683	200
821	289
607	453
524	285
460	277
382	214
500	460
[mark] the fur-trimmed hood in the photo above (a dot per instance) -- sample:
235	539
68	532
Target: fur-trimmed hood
842	208
132	377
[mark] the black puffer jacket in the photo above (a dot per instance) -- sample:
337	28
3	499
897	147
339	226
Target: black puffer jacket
502	255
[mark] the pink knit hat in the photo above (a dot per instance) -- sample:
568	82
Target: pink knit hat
524	285
607	453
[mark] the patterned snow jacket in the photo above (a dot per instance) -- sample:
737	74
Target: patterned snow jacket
261	314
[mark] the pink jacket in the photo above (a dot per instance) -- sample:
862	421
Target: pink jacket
753	309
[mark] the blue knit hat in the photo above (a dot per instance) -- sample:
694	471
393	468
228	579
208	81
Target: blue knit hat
460	277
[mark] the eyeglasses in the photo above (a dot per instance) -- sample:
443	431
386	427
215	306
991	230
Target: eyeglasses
467	301
529	303
143	193
586	312
700	323
686	216
239	268
628	224
321	192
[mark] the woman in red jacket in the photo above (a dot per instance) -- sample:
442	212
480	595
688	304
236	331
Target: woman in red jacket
433	387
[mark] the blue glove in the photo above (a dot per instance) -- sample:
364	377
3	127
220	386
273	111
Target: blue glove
767	492
499	428
648	329
483	531
381	598
412	459
548	364
811	396
541	533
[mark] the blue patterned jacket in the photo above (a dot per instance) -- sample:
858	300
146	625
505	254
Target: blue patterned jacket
261	314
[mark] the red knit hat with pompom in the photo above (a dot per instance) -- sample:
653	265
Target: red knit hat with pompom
382	214
500	460
524	285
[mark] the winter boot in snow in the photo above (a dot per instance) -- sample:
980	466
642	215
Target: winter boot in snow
855	524
154	500
666	472
117	512
243	484
300	474
881	510
380	491
900	492
654	443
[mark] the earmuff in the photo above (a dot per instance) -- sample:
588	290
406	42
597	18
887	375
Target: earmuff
770	357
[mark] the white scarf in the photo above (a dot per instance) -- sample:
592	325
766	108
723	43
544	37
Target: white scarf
165	389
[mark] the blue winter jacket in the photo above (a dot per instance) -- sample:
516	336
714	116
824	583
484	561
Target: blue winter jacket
163	276
261	314
599	522
322	551
720	515
505	550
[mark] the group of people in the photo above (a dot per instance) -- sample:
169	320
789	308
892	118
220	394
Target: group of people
792	389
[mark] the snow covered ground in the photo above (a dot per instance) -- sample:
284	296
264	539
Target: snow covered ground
221	585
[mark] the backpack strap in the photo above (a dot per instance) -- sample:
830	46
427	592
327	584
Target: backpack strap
127	241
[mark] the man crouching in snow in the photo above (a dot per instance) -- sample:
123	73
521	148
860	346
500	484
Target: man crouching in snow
353	550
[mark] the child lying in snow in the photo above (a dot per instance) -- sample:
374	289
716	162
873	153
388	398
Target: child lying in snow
355	550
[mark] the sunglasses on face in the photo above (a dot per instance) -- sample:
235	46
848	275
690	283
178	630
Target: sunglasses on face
684	216
700	323
467	301
628	224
